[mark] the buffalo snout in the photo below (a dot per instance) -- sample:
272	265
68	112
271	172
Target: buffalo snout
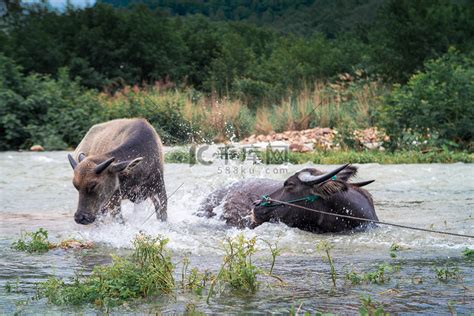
84	218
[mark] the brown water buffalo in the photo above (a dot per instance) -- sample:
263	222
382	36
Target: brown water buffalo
248	203
116	160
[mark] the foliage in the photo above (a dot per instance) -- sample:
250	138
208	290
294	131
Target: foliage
381	275
180	156
162	110
436	106
37	109
234	70
447	273
394	248
469	253
237	270
33	242
148	272
325	247
399	157
38	242
407	33
371	308
340	157
194	279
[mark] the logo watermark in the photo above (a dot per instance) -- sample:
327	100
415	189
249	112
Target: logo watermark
235	159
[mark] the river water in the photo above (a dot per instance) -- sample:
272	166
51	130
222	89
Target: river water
36	191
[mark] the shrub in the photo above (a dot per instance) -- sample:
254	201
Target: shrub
162	109
436	107
148	272
40	110
33	242
237	270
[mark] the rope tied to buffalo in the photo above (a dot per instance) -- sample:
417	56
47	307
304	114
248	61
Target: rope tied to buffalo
269	200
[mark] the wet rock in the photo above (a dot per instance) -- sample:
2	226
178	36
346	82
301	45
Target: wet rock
36	148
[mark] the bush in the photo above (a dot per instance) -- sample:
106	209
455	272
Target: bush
162	110
436	107
40	110
148	272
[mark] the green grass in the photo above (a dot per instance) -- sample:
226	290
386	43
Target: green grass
380	275
193	279
469	253
325	248
37	242
33	242
399	157
340	157
238	272
148	272
447	273
180	156
371	308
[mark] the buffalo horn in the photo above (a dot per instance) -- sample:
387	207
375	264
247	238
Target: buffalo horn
81	157
103	165
363	183
72	161
308	178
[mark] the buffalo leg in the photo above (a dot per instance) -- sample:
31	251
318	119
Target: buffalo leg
160	202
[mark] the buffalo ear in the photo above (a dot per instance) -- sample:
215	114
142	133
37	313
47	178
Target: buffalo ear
81	157
125	166
348	172
329	188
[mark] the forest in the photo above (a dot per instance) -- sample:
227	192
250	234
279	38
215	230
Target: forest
216	70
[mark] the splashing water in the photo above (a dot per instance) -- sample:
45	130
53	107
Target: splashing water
36	191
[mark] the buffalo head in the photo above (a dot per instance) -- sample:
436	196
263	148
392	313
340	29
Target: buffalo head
97	179
302	188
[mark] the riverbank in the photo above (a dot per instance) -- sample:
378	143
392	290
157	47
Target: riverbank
280	155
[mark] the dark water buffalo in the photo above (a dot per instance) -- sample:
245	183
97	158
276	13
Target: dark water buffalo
243	206
116	160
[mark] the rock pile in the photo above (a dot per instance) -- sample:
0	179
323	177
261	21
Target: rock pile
320	138
300	141
371	138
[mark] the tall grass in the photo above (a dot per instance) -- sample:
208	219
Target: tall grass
340	105
182	116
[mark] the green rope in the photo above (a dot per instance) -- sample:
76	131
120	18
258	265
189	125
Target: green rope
309	198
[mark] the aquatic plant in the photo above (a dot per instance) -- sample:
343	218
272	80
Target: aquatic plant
12	287
379	276
275	252
469	253
447	273
148	272
33	242
393	249
325	247
37	242
296	312
371	308
193	279
237	270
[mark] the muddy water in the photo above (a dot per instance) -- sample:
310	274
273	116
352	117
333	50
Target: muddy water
36	191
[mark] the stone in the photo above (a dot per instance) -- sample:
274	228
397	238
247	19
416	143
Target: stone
37	148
